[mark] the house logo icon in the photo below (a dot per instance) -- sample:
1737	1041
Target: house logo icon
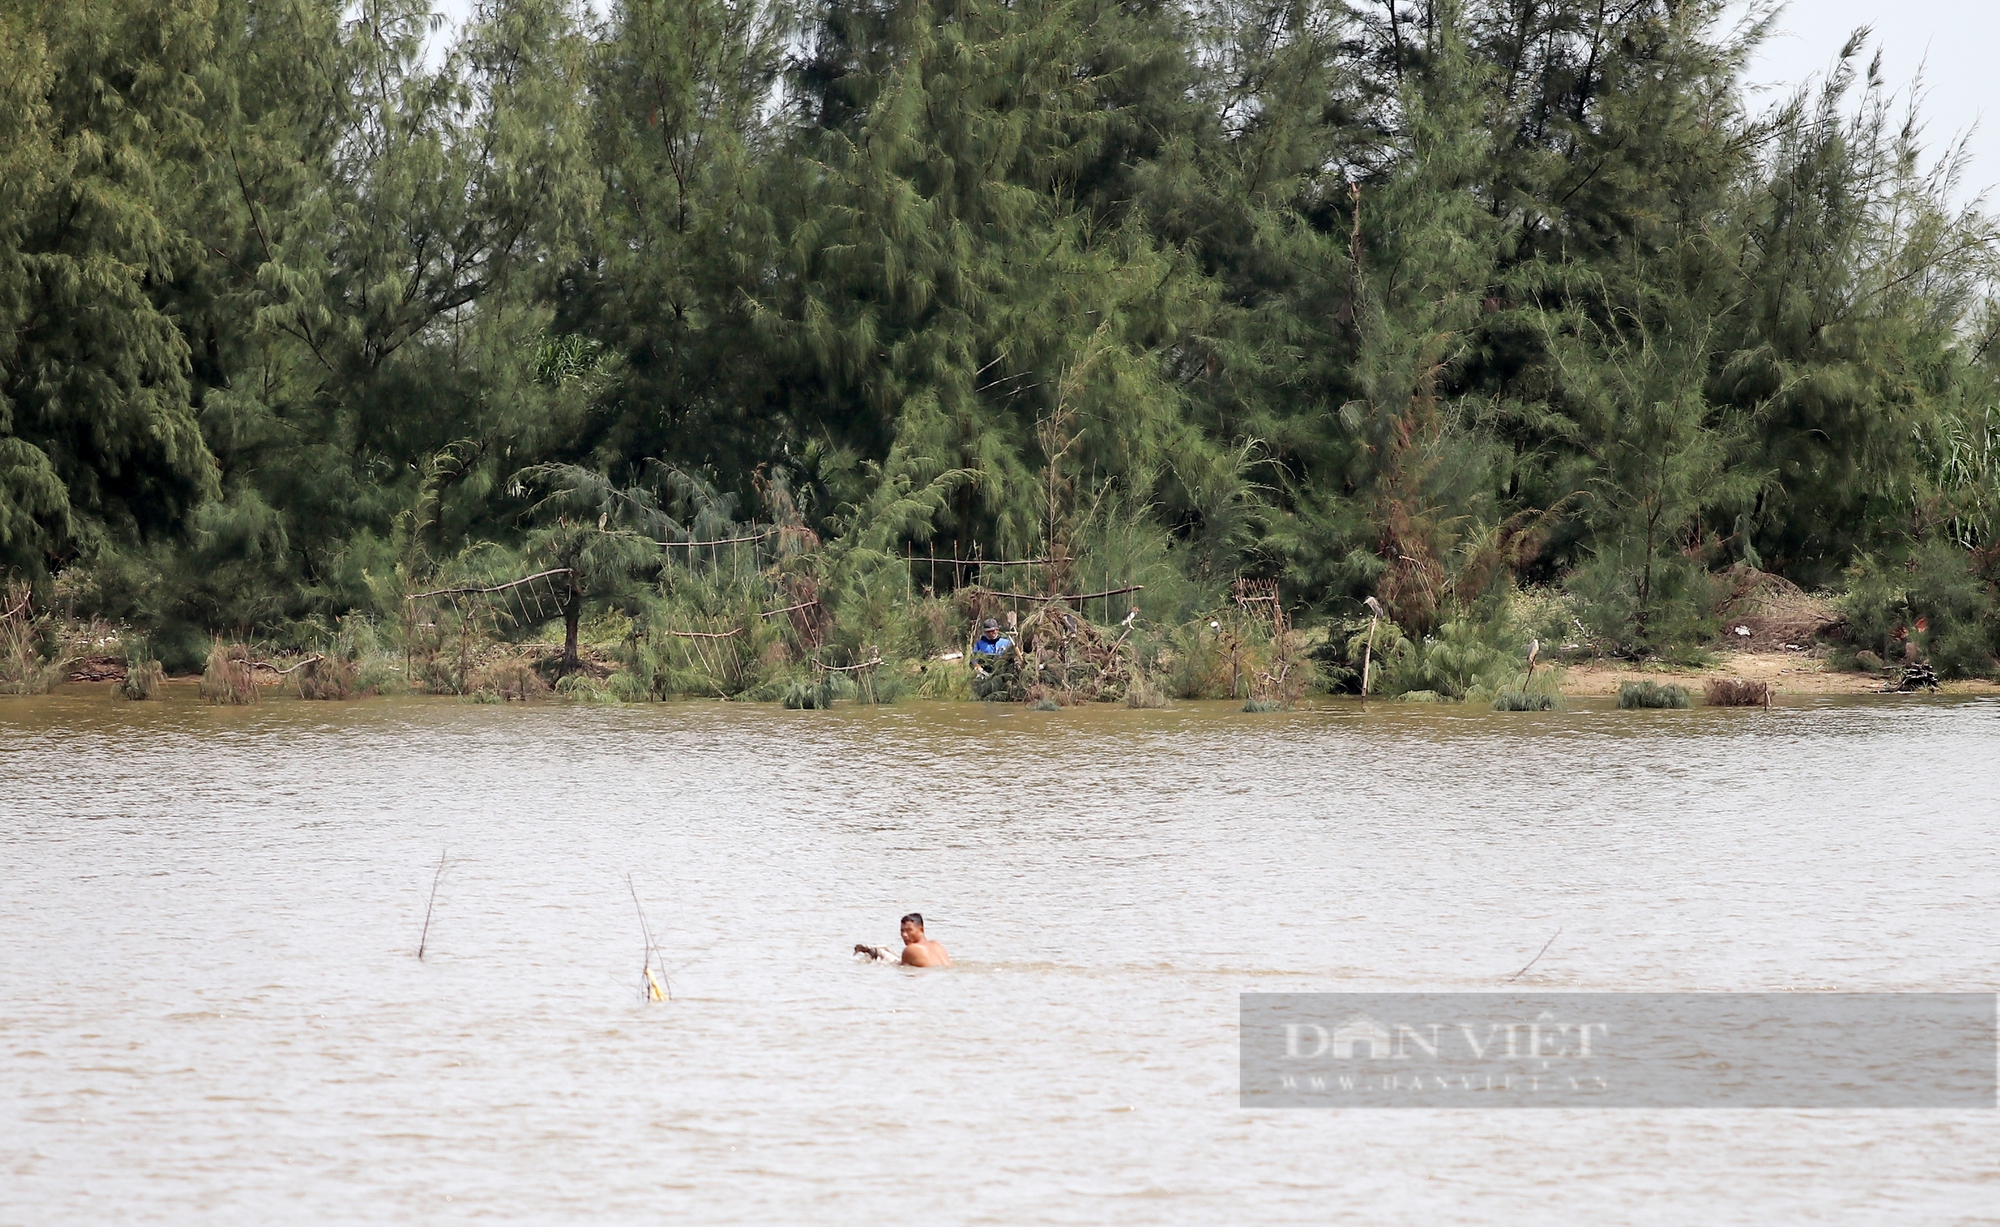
1361	1036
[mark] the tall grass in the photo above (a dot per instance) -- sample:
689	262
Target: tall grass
28	665
230	678
143	674
1143	692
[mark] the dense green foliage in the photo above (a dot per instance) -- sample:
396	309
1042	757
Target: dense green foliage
1420	299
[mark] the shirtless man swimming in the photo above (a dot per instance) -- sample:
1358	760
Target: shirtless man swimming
917	951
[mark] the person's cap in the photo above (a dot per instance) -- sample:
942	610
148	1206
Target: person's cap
992	624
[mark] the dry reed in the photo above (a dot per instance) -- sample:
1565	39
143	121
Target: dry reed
512	680
1736	692
23	668
326	678
230	680
1142	693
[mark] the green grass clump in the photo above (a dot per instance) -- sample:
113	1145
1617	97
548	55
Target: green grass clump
1045	703
582	688
808	696
1260	705
1522	700
1653	694
143	674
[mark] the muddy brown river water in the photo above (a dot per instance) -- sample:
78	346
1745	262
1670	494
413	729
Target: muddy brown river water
210	1011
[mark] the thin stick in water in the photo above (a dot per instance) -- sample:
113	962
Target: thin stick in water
1538	956
431	906
655	989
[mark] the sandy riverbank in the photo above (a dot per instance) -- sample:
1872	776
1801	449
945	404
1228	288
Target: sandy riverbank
1800	673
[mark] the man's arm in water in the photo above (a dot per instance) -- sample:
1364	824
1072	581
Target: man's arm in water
925	954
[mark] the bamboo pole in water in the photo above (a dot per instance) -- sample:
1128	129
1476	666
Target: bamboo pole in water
431	906
655	991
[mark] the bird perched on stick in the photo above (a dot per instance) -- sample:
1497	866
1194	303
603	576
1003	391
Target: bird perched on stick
1534	650
1375	607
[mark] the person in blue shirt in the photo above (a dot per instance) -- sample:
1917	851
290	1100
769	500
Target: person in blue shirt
991	642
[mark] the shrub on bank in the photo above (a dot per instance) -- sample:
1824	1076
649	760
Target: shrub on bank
1929	605
1464	659
1653	694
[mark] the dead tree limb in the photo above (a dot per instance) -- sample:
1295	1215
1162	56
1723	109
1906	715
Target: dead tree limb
1079	597
512	583
772	613
265	664
866	664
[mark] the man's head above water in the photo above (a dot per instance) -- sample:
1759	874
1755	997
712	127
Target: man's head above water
919	951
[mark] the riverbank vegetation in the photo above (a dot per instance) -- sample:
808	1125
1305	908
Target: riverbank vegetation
761	349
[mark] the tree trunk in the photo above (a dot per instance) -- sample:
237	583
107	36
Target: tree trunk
572	614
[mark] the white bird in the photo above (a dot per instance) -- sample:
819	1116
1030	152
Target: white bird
1375	607
1534	650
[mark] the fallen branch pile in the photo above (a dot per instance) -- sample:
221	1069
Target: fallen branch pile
1059	654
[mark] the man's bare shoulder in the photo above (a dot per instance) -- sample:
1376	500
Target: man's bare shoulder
925	954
